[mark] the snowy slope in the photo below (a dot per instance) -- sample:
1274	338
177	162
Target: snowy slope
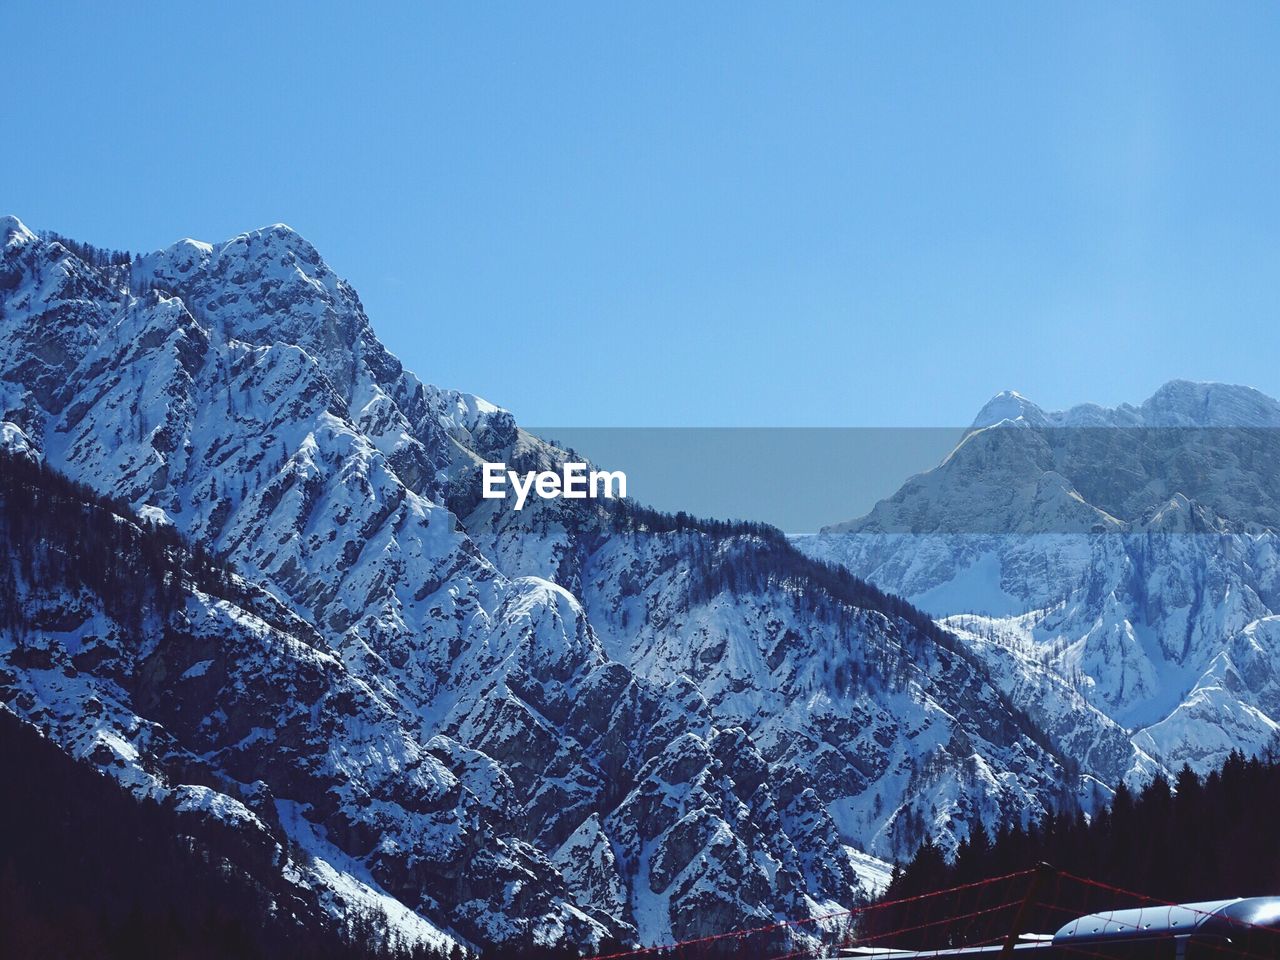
891	732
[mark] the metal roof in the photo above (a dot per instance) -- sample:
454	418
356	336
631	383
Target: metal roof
1208	918
1211	918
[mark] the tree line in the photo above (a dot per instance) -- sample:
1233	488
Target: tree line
91	255
1200	838
58	531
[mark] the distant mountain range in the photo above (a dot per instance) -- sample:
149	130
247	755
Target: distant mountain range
1115	569
297	618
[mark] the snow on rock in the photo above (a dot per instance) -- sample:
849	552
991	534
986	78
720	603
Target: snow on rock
494	726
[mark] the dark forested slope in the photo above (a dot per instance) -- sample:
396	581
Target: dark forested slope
88	871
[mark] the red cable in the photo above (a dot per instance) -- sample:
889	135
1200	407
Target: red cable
951	919
783	924
1060	875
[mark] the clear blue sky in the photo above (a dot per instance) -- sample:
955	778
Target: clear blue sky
708	214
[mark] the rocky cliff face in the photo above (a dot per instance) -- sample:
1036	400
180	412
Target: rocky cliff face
1125	559
556	724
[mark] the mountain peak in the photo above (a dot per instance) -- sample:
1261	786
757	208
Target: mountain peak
272	240
274	246
13	232
1011	406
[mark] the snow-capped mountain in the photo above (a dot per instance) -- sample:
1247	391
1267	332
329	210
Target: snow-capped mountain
568	723
1115	568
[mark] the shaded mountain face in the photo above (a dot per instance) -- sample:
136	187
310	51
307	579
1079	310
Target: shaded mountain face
567	723
1124	558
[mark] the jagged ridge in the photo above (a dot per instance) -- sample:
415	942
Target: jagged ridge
542	727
